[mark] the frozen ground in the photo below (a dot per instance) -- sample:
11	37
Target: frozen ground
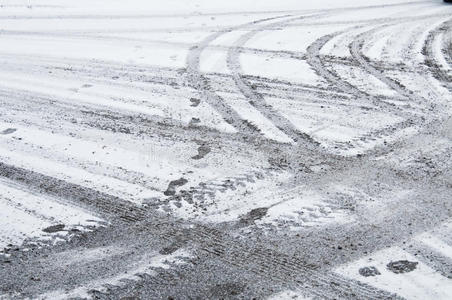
210	149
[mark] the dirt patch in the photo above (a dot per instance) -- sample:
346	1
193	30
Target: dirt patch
194	122
253	215
194	102
401	266
171	190
369	271
202	151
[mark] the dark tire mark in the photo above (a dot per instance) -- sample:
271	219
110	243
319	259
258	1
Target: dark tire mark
256	99
435	69
315	60
224	291
356	48
448	48
431	257
288	270
108	206
200	82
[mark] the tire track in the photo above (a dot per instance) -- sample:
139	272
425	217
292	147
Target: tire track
197	14
256	99
267	263
435	68
159	80
163	83
264	256
448	48
376	135
258	259
200	82
373	68
318	63
431	257
108	206
102	119
97	168
314	59
356	49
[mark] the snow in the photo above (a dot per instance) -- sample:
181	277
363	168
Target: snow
332	124
80	256
71	90
103	64
143	266
24	214
297	71
364	81
248	112
421	283
436	244
229	204
61	156
288	208
161	7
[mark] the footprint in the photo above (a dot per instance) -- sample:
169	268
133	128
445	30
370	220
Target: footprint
54	228
194	122
202	151
194	102
254	215
401	266
171	190
369	271
8	131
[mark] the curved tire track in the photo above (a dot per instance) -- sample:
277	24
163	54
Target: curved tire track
356	48
200	82
315	60
435	68
256	99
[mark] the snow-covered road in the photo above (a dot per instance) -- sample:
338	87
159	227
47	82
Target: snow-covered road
225	149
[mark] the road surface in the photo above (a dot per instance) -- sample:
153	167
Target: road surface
225	150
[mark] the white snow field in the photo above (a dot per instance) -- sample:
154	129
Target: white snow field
209	149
